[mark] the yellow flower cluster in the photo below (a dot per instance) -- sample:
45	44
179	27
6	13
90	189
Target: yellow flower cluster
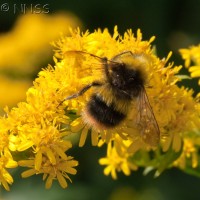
189	152
192	60
38	130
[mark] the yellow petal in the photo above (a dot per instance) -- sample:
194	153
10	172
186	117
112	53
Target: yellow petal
38	160
95	137
11	164
49	182
61	180
25	145
50	155
83	137
28	173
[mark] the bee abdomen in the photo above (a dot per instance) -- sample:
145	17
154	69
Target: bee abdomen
102	114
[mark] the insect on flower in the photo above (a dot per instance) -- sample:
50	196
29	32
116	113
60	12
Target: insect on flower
110	102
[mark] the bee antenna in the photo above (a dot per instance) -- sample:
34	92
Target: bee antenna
90	54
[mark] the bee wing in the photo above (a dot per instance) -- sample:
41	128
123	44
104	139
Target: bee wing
90	68
146	120
89	62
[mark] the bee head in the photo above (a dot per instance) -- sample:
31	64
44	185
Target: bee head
125	80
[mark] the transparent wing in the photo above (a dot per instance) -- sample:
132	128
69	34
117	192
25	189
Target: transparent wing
146	121
92	65
85	67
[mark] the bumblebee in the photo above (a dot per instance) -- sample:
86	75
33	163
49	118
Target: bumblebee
110	103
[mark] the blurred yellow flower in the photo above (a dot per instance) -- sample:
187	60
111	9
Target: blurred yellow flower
192	60
25	49
12	91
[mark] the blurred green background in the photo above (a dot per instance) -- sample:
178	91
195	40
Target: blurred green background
176	24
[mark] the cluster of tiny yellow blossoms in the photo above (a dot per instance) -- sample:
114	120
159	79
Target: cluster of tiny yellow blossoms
192	60
188	159
35	134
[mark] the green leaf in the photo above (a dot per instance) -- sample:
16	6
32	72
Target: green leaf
158	160
192	171
165	160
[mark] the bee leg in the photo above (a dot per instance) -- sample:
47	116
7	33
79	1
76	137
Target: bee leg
82	91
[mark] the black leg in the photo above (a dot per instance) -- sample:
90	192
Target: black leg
83	90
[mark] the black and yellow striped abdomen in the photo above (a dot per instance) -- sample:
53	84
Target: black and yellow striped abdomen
104	114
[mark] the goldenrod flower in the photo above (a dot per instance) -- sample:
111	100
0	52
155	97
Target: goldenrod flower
169	102
189	153
118	158
41	126
6	162
192	60
6	158
35	127
52	167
